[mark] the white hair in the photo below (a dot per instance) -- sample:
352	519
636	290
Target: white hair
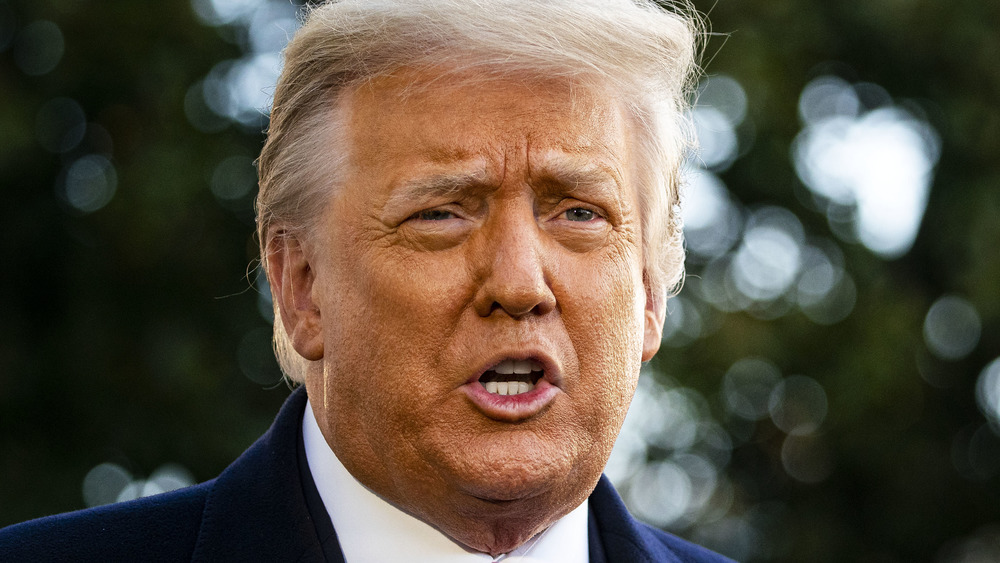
643	52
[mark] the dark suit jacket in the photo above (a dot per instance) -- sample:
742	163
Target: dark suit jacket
265	507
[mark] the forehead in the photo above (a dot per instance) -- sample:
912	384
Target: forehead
420	118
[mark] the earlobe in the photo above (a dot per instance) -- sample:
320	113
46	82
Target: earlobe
653	316
291	277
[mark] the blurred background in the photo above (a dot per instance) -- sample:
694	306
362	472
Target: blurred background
829	384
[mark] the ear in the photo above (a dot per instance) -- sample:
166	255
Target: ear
655	311
291	278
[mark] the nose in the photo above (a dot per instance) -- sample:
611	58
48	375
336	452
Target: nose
512	270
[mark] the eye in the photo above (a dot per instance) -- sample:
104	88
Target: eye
433	215
580	214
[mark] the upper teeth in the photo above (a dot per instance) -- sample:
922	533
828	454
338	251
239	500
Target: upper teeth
507	367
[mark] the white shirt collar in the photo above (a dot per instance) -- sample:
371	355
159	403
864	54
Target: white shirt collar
361	519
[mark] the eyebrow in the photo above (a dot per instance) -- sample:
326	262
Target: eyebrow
434	186
575	172
440	184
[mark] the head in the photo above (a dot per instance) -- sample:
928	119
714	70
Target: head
450	190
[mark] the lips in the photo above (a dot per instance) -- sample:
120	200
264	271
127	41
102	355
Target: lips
512	389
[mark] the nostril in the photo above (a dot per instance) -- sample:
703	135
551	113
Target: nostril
517	312
518	297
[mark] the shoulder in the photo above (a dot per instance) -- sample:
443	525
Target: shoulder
683	550
623	538
254	510
160	527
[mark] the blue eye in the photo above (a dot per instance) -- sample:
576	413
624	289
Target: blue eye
432	215
580	214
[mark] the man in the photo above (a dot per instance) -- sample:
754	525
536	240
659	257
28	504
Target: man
467	216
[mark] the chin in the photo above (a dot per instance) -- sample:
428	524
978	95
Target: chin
500	526
495	492
518	466
503	538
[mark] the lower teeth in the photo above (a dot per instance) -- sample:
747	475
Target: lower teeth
508	387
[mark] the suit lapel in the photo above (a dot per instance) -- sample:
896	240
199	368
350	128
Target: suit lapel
325	533
619	537
594	542
257	509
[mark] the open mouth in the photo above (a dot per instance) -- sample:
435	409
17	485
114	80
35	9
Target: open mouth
512	377
515	390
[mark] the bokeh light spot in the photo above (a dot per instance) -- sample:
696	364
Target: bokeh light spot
109	482
660	493
199	114
683	323
827	97
767	263
39	47
170	477
825	292
798	405
836	305
877	164
721	106
952	328
733	535
981	546
747	386
717	142
724	94
272	25
988	393
104	483
704	478
241	89
806	458
234	178
60	125
667	418
89	183
223	12
818	278
682	410
627	456
712	222
669	441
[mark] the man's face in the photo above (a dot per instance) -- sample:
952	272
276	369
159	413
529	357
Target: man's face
480	230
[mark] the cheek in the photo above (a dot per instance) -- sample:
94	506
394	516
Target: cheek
605	324
603	302
414	306
393	316
394	295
